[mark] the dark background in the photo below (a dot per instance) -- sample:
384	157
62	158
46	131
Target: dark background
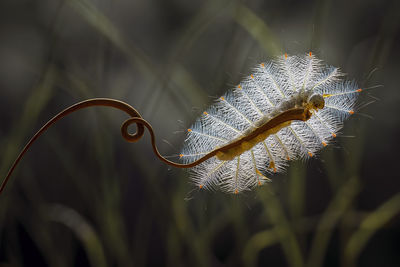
82	196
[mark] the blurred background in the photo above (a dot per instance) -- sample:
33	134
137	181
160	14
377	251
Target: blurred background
82	196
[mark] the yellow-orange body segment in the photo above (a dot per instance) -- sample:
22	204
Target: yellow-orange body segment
249	144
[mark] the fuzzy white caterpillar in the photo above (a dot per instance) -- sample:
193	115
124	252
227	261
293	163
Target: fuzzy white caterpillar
273	88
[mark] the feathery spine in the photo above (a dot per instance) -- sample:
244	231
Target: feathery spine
272	88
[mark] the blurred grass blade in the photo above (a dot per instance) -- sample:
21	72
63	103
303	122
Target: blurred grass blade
102	24
330	218
282	228
82	229
297	189
33	106
258	29
369	226
185	228
258	242
205	17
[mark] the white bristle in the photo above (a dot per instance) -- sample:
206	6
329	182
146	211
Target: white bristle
256	98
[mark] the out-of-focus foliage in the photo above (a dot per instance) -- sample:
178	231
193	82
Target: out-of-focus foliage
84	197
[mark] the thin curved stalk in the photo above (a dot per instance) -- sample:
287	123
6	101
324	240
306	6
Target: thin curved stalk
302	114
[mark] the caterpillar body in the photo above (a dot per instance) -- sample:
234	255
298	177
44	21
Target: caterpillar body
251	129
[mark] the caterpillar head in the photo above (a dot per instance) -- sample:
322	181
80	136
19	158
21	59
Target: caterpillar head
316	102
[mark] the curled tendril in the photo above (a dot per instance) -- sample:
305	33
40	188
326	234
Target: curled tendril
136	118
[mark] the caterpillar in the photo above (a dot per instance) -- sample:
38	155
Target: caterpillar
250	127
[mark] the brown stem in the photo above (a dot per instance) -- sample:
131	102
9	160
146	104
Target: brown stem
289	115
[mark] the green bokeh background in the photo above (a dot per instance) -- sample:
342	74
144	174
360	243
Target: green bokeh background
82	196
